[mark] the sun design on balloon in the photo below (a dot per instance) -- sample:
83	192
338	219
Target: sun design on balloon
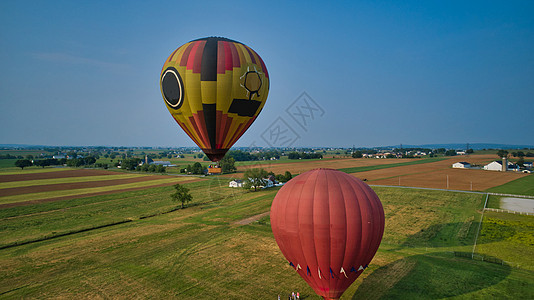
251	81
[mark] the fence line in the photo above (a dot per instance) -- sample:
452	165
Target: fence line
510	211
479	225
482	257
512	195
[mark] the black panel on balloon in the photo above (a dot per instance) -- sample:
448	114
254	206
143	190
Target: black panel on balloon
244	107
210	117
173	88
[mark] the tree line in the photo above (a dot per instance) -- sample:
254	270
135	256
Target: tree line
304	155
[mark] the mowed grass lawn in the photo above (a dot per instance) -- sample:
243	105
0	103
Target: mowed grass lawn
202	253
521	186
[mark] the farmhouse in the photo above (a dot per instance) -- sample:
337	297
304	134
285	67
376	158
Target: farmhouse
461	165
236	183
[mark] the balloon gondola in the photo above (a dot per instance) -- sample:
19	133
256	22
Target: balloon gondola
328	225
214	88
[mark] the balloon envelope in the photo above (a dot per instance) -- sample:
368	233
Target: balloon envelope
328	225
214	88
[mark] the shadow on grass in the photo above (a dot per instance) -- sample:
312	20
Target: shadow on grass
435	276
452	234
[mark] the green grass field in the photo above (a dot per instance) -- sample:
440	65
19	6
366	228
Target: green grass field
138	245
7	163
521	186
378	167
509	237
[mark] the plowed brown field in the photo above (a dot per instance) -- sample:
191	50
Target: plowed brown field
428	175
56	174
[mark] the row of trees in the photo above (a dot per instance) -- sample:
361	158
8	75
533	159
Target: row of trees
239	155
304	155
75	162
227	165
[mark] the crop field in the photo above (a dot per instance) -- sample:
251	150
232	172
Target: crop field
509	237
52	184
137	244
301	166
425	172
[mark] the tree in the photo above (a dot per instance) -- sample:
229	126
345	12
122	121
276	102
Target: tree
450	152
254	178
287	176
130	163
520	161
181	195
22	163
227	164
502	153
357	154
196	169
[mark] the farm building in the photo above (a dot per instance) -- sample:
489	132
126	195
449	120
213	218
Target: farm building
163	163
461	165
236	183
498	166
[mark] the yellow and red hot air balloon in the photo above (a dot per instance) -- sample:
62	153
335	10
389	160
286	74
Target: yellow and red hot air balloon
214	88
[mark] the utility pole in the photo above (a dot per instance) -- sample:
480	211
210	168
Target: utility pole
447	181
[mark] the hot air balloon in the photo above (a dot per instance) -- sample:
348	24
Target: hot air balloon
328	225
214	88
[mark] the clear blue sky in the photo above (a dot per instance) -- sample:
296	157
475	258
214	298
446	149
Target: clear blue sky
381	73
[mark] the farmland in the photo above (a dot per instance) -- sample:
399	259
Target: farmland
103	234
427	173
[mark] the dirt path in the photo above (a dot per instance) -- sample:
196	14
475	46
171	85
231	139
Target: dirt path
252	219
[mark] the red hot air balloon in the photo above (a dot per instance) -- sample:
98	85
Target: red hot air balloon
328	225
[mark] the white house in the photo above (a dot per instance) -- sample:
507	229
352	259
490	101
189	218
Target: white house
236	183
461	165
